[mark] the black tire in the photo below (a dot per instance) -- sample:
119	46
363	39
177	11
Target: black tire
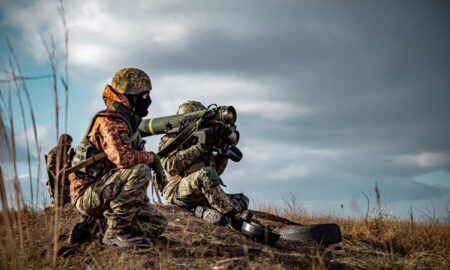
258	233
319	234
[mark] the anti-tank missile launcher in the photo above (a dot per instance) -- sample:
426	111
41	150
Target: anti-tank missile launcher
223	115
221	119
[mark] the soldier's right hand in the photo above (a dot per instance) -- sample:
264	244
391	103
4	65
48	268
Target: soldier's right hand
209	137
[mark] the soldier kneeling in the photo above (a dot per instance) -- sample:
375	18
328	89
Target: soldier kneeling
115	187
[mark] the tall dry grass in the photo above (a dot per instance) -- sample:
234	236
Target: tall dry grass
402	242
14	218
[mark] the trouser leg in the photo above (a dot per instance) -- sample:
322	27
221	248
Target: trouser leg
117	196
51	194
66	192
205	184
149	220
125	205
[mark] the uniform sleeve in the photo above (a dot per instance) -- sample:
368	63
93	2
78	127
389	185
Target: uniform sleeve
122	155
221	164
178	161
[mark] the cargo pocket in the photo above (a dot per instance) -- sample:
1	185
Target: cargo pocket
209	178
109	192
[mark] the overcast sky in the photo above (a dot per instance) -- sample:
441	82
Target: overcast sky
331	96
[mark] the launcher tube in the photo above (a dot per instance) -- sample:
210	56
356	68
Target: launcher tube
172	123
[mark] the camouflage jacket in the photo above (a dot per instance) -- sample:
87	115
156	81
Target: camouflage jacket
51	164
110	135
183	162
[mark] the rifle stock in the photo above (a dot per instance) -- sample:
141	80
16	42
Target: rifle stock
86	163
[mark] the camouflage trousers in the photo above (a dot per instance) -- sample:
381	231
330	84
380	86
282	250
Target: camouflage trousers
203	187
121	197
64	195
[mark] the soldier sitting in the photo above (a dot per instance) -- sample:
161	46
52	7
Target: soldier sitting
65	156
192	182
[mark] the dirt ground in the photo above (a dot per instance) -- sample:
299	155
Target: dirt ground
194	244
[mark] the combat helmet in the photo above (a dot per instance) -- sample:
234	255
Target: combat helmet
131	81
64	138
190	106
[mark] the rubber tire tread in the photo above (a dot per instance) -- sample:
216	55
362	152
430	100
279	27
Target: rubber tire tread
319	234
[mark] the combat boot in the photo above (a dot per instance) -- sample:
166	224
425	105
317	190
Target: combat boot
210	215
123	238
84	229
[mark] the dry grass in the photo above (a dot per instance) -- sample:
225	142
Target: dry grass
402	236
193	244
403	244
15	253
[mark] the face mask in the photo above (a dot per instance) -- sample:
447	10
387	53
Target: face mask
142	103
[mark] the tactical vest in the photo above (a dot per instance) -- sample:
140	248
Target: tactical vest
85	149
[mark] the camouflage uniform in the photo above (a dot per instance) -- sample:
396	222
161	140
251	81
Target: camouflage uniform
64	188
120	196
190	182
116	186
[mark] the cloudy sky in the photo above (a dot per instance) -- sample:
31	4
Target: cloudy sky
332	97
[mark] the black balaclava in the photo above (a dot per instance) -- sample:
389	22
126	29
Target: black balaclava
140	104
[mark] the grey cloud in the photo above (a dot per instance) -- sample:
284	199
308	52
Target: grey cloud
384	84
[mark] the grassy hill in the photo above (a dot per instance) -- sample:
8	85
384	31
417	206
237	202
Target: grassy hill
374	243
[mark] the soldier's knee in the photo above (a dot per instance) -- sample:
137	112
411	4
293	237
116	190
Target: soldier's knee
140	171
244	201
142	168
208	178
240	201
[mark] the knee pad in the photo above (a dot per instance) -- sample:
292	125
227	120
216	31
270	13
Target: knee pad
209	178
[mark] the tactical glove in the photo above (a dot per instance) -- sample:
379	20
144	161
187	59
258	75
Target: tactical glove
208	137
159	172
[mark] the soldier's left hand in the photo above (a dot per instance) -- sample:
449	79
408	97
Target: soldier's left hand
71	154
158	169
